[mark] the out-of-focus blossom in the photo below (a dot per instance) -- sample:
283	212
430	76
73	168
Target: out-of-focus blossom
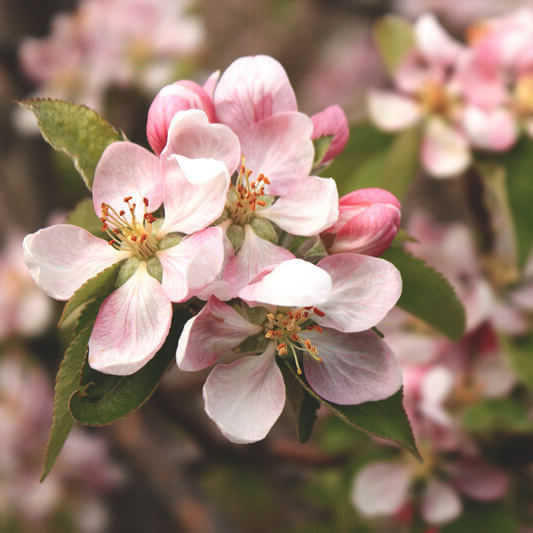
24	309
369	219
321	311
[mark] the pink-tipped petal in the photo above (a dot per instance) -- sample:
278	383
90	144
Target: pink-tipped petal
440	503
192	264
364	290
211	83
279	147
253	89
495	129
62	258
435	44
131	326
308	206
178	96
127	169
331	121
381	488
192	135
253	256
195	193
245	398
355	367
445	150
295	283
392	112
215	330
479	480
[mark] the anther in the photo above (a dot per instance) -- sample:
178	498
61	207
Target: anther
318	312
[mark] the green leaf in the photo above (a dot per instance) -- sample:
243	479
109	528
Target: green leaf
520	354
519	166
83	215
67	382
385	419
97	287
394	38
104	399
485	517
307	417
402	162
76	130
497	414
427	294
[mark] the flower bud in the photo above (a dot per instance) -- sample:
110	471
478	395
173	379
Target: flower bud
369	220
178	96
331	121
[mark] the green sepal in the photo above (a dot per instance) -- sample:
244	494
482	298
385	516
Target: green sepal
263	228
103	399
235	234
74	129
385	419
170	240
427	295
154	268
321	145
128	267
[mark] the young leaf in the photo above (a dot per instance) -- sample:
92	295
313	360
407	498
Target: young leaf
395	38
427	294
83	215
385	419
67	382
76	130
103	399
97	287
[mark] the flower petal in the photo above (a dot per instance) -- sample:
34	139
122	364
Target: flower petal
245	398
253	256
495	129
445	150
308	206
440	503
192	264
480	481
355	367
192	135
392	112
215	330
127	169
195	193
364	290
62	258
435	44
279	147
131	326
253	89
294	282
381	488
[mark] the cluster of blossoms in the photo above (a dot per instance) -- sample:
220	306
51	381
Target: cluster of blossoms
226	210
106	43
441	381
475	96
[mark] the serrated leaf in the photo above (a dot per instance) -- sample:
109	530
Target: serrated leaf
385	419
104	399
495	415
76	130
485	517
427	294
83	215
98	286
67	382
394	38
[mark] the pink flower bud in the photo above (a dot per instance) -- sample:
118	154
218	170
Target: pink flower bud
368	222
331	121
178	96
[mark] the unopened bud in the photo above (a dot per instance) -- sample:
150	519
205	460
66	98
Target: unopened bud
331	122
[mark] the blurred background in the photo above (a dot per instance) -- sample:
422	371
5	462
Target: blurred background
166	468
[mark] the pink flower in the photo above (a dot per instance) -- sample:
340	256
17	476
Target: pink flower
331	122
170	260
369	219
317	313
255	99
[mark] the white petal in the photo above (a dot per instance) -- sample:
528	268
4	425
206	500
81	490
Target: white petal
246	397
440	503
392	112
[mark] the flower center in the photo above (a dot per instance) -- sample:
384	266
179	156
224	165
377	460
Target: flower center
434	99
523	94
245	196
126	232
288	330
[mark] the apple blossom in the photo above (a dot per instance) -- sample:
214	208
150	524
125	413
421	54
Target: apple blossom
301	311
166	260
